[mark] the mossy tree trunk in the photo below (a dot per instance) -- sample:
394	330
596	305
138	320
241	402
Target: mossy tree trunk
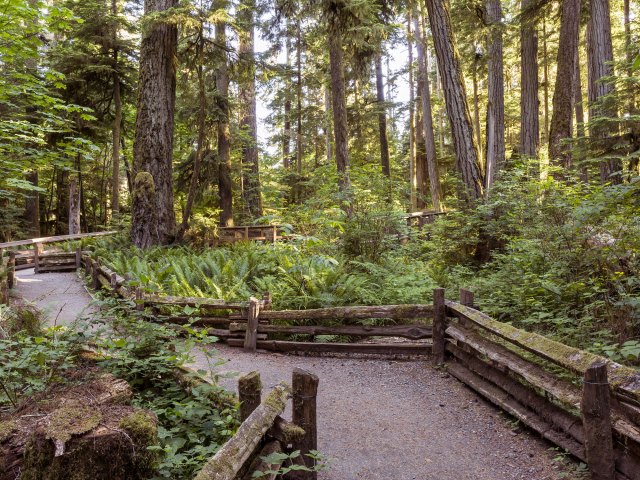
153	144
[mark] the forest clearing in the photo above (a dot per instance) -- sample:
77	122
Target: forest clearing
336	239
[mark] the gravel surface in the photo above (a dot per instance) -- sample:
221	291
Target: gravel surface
61	297
402	420
377	419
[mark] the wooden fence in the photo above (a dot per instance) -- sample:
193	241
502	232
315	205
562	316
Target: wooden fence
420	219
264	432
27	258
587	405
255	233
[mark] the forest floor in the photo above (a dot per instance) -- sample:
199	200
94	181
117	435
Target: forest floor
378	419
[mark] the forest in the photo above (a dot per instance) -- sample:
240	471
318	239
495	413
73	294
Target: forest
513	126
331	119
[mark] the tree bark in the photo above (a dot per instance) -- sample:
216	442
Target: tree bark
298	98
153	144
62	201
545	77
74	207
248	119
495	156
412	120
339	101
327	125
382	119
117	121
600	58
564	94
579	110
225	187
286	141
197	162
455	99
32	205
427	118
529	103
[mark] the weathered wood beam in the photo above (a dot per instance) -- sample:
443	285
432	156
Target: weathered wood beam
414	332
355	312
624	380
318	347
228	461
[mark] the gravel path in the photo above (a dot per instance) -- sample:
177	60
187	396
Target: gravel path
400	420
61	297
377	419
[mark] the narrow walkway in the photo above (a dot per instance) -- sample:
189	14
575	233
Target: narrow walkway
377	419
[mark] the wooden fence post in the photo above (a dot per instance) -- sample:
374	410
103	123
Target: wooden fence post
79	257
95	282
596	419
305	391
139	300
113	281
439	326
11	270
251	337
37	251
249	393
466	297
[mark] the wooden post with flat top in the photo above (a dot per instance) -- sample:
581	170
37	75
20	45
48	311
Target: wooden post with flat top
596	420
251	336
305	391
439	326
249	393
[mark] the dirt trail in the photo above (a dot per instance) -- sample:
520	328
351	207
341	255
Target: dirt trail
377	419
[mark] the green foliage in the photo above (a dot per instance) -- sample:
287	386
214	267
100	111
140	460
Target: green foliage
279	458
193	421
29	364
564	259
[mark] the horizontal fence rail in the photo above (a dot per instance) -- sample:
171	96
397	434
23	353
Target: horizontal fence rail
581	402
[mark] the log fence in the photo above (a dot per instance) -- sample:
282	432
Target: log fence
264	431
246	233
585	404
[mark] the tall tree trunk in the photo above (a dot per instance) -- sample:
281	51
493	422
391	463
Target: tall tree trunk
286	141
327	125
422	176
62	202
298	97
579	110
495	156
545	78
339	102
153	145
225	187
32	205
476	107
74	207
600	58
455	98
197	161
529	103
412	119
382	119
564	94
117	121
427	118
248	119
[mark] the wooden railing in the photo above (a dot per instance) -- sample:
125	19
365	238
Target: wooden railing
420	219
26	258
587	405
258	233
264	432
536	380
